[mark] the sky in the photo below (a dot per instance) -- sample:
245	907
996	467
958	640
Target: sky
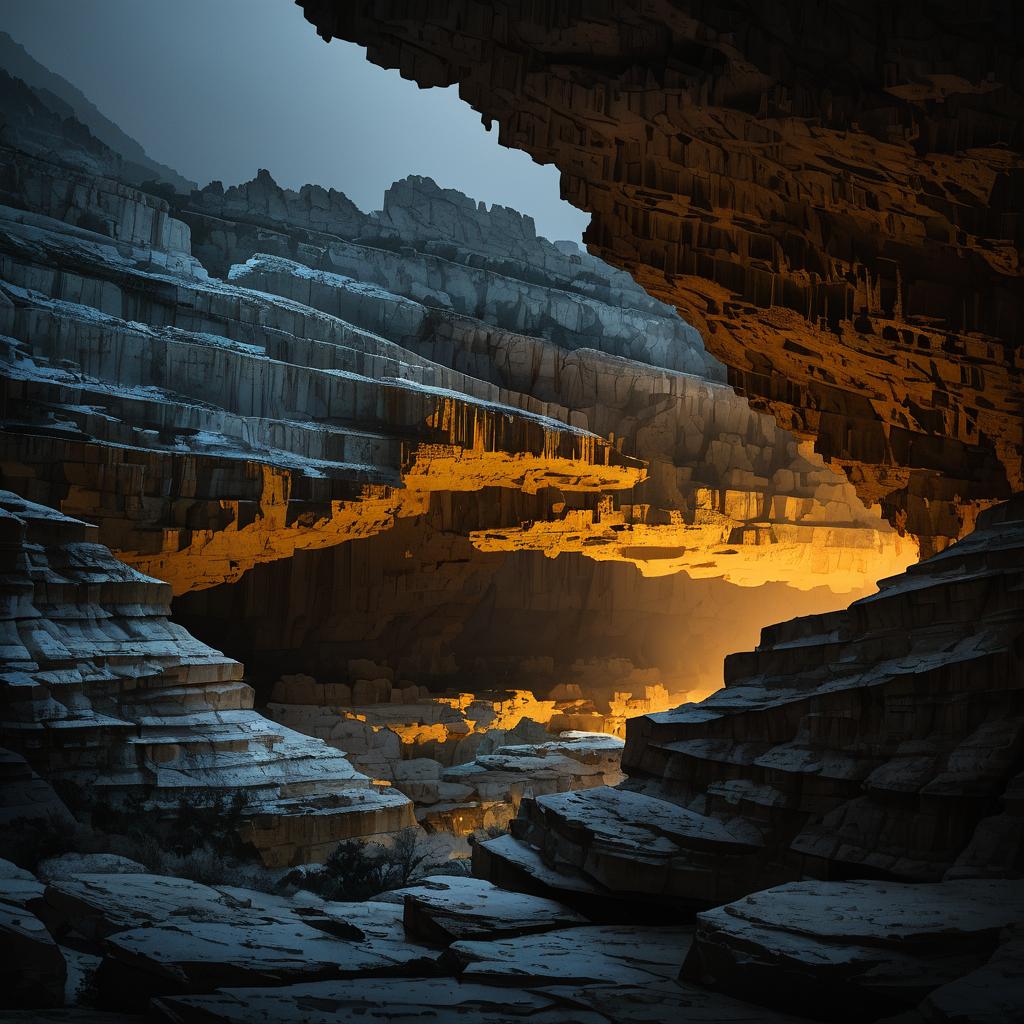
219	88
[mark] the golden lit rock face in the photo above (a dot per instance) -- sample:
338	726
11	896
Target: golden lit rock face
440	611
743	550
850	251
465	759
326	468
283	514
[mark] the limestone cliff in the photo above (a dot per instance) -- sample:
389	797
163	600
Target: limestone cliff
100	689
436	364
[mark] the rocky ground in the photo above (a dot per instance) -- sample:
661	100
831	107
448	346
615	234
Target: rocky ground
123	942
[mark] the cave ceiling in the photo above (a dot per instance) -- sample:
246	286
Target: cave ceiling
831	193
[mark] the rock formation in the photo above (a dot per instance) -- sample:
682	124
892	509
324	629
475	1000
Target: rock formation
449	948
101	689
503	506
880	741
866	949
419	394
829	192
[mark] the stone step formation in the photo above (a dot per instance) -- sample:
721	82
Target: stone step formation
880	741
101	689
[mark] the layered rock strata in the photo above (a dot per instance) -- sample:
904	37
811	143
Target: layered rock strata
884	740
99	688
465	760
830	194
434	382
719	467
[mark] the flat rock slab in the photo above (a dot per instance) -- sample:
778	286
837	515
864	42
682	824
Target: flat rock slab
515	865
883	913
602	954
443	1000
71	1015
862	948
409	1001
67	865
621	818
96	906
664	1002
518	865
993	994
20	888
200	956
446	909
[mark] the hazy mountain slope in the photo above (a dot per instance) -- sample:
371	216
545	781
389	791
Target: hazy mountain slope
16	60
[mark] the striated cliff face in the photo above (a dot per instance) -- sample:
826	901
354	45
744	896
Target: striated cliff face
442	367
831	193
880	741
100	689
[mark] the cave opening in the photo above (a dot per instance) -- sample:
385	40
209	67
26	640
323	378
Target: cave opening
417	608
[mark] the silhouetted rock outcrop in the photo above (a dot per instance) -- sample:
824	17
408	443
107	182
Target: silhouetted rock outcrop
99	688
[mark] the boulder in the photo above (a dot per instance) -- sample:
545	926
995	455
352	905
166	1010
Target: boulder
190	955
32	969
606	954
854	951
444	909
67	865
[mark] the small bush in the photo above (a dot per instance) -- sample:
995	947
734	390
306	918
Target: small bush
87	994
357	870
407	857
201	822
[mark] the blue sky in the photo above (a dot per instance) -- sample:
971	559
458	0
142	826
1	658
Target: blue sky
220	88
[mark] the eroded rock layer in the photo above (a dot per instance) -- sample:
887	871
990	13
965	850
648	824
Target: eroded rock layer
378	427
100	689
831	193
884	740
296	408
424	601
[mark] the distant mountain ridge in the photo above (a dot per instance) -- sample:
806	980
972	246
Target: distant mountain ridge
66	100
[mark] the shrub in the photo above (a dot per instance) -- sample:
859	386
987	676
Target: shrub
359	870
200	821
